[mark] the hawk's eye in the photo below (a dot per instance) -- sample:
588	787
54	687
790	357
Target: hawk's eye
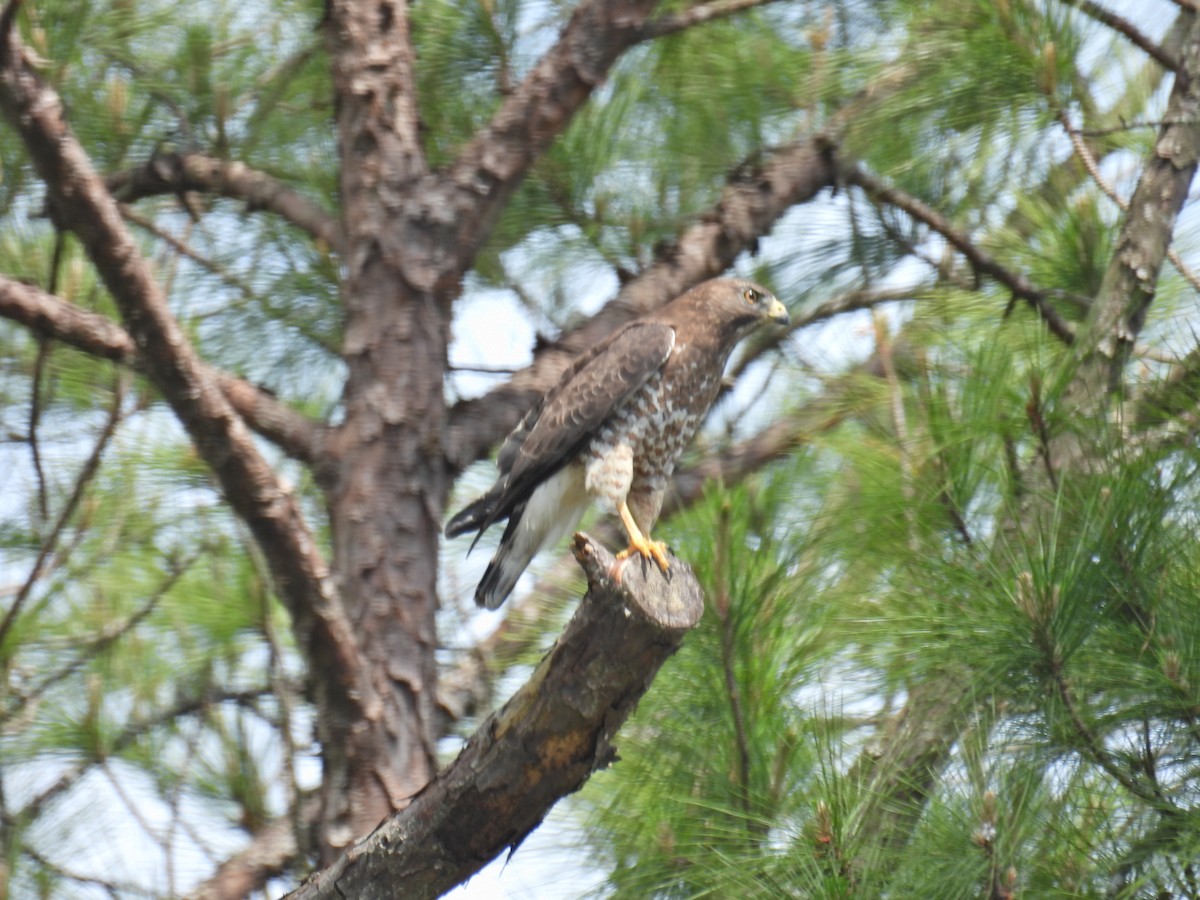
750	296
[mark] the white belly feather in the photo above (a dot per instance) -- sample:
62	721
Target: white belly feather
554	508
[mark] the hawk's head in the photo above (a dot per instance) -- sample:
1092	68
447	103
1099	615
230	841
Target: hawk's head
733	306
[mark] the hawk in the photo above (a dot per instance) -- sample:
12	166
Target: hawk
612	429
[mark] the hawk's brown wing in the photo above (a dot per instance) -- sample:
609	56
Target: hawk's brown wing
587	394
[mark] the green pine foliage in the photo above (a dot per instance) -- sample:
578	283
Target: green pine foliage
835	591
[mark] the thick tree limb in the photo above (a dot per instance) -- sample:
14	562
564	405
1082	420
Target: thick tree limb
542	745
386	492
79	200
95	334
1129	283
1093	169
748	207
1109	334
177	173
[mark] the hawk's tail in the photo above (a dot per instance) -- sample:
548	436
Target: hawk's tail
516	551
553	509
474	515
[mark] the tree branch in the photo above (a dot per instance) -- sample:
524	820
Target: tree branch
466	688
542	745
847	301
95	334
176	173
496	160
981	261
696	15
1124	26
79	200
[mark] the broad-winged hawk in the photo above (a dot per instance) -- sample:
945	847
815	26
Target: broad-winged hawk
612	429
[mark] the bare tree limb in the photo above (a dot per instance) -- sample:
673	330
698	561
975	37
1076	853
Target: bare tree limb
272	850
1124	26
79	200
542	745
700	14
176	173
981	261
97	335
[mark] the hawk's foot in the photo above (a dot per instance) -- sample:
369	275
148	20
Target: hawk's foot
645	548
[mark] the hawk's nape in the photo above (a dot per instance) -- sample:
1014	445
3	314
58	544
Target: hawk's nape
612	428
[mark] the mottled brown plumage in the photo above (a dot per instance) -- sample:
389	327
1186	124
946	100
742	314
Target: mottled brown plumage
612	429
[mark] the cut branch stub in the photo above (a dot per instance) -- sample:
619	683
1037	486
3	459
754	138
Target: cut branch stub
542	745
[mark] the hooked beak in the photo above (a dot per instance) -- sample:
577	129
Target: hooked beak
778	313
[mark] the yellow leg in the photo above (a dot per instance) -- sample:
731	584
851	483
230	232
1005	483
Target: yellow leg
640	543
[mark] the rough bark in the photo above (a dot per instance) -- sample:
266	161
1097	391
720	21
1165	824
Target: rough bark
543	744
1117	316
385	498
410	234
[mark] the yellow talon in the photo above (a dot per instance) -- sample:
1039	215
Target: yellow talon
650	549
640	544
